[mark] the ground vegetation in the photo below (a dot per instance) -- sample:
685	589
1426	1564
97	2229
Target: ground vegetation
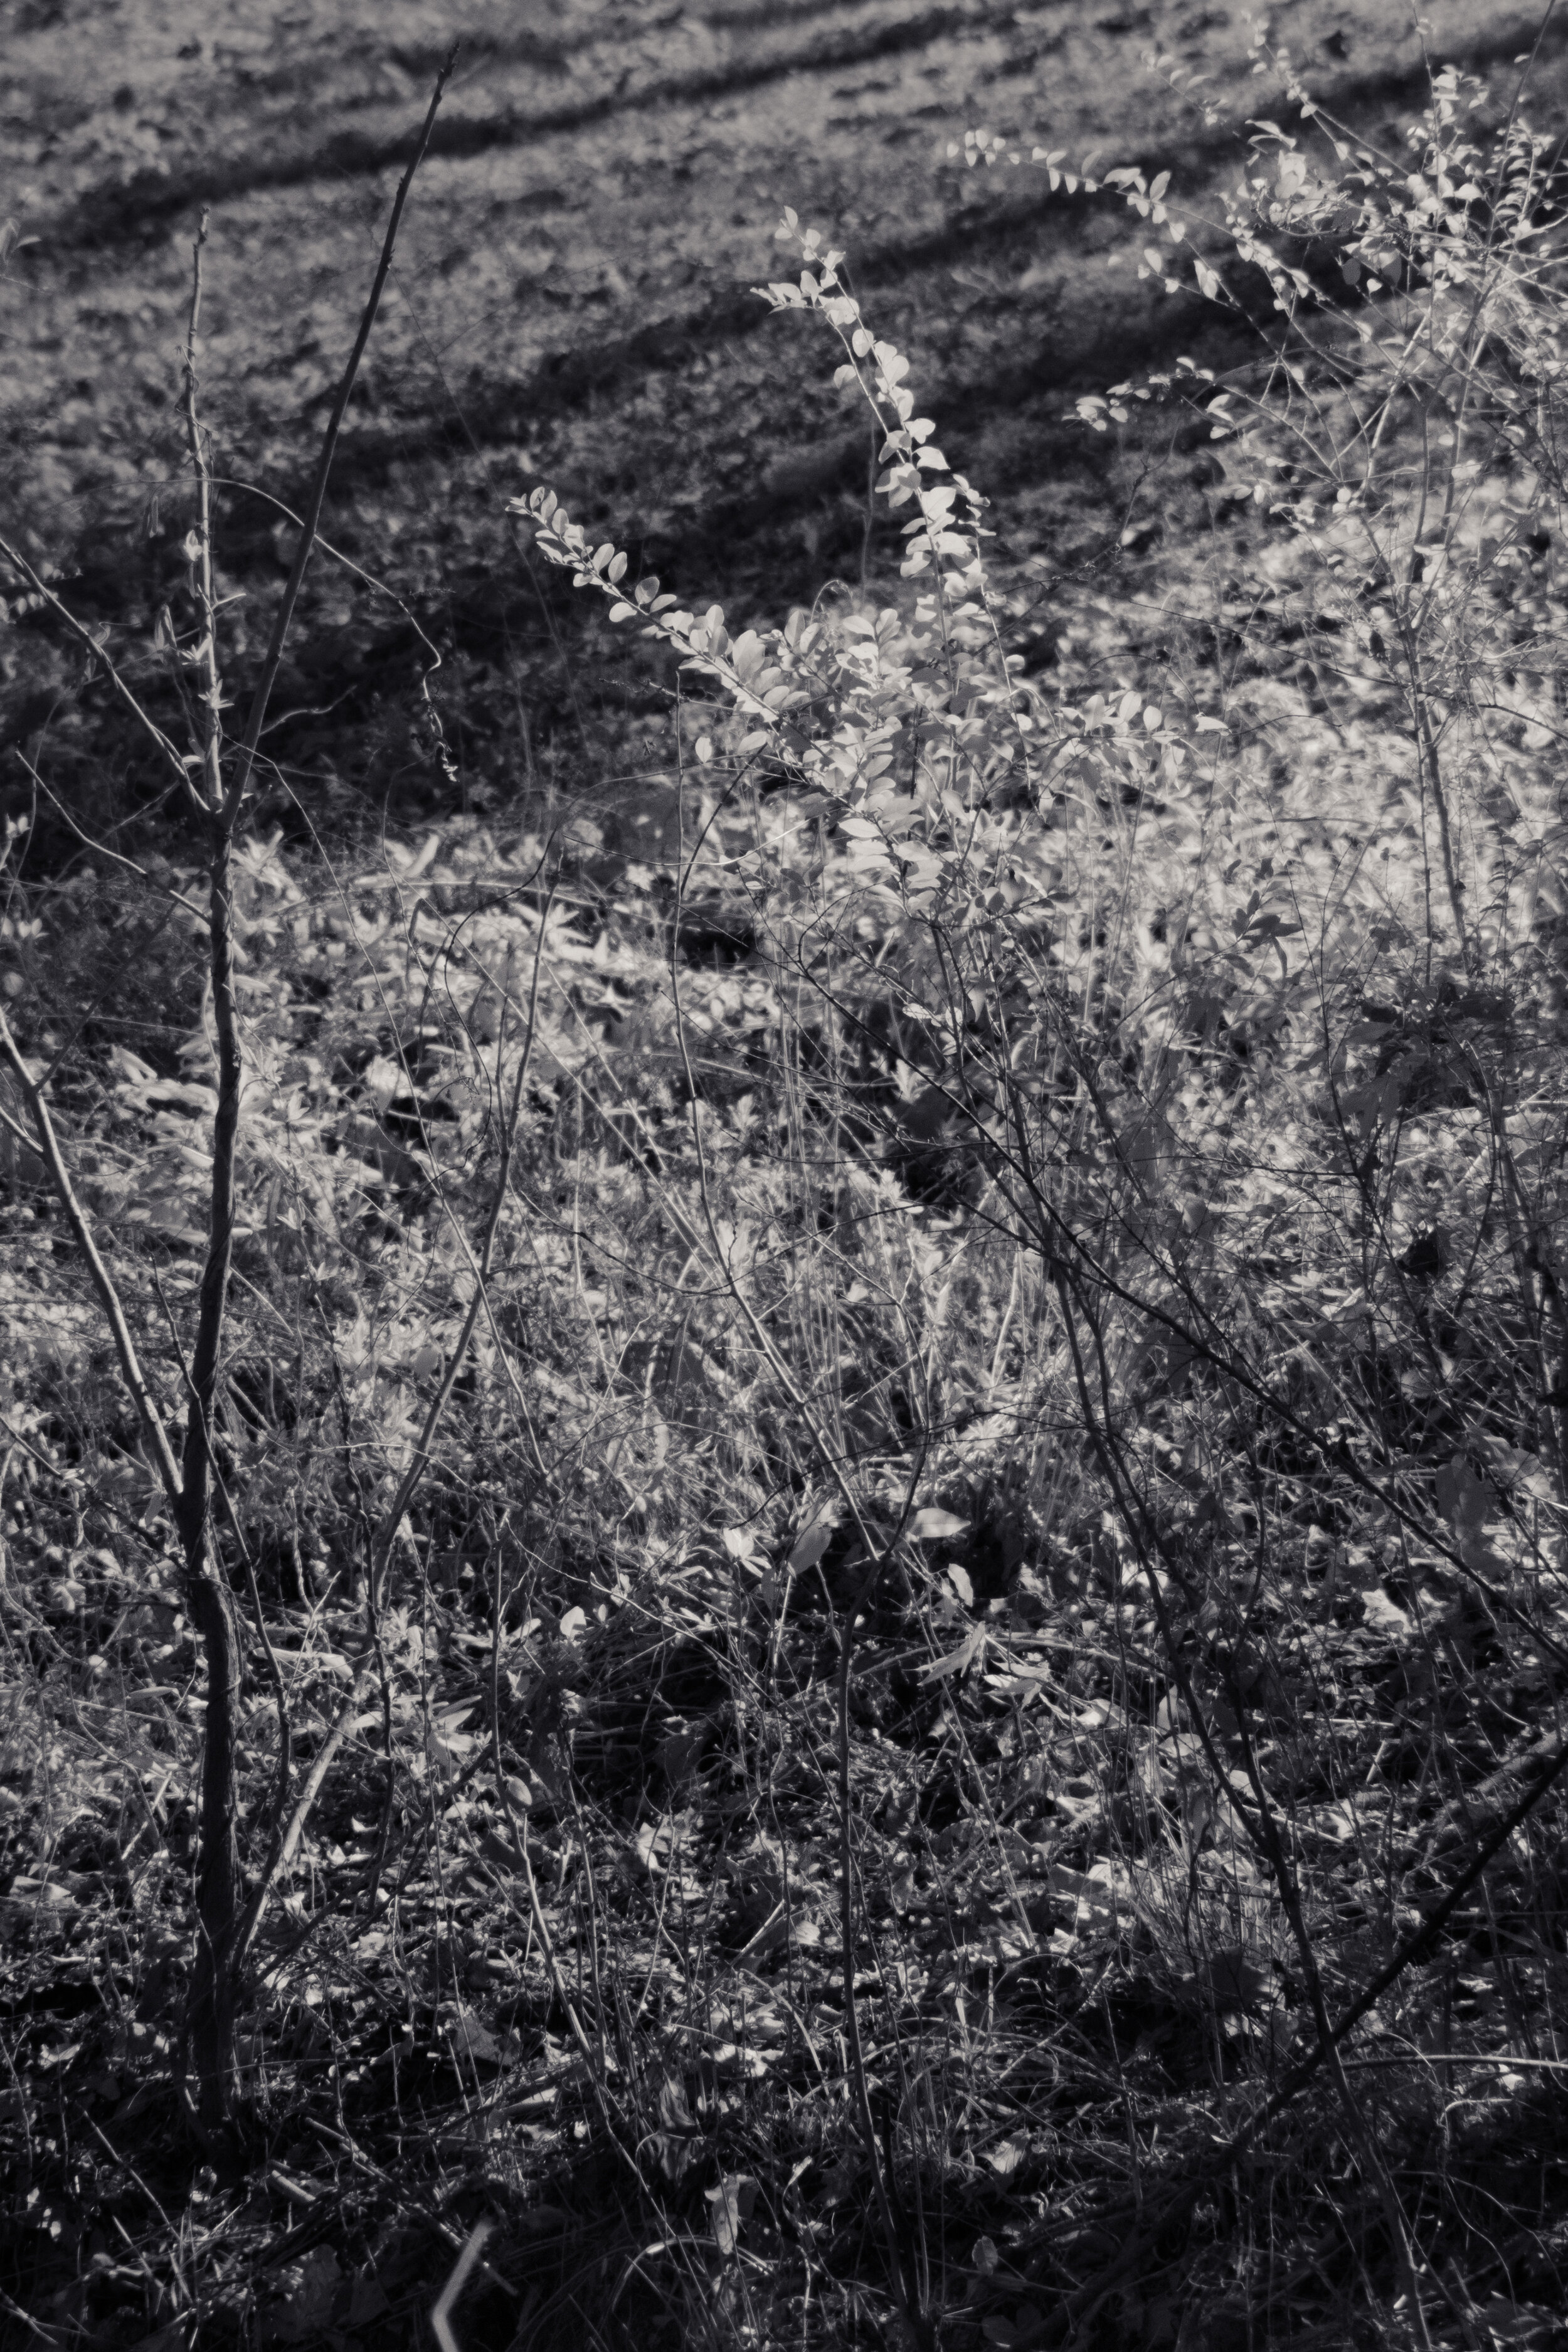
784	1540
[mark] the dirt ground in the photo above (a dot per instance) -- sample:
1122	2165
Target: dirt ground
572	303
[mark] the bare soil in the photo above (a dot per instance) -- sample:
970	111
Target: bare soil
572	303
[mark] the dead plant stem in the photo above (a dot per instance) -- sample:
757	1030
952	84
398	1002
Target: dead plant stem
256	719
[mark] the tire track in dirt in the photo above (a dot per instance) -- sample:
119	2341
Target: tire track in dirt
577	374
1084	349
873	32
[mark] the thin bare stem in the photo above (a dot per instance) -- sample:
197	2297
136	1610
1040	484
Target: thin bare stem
47	1143
256	719
199	549
80	631
210	2016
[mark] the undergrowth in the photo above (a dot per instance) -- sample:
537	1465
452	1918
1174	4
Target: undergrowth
889	1459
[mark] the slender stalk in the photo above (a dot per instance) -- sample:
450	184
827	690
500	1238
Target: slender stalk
256	717
225	1923
210	2016
209	717
48	1145
80	630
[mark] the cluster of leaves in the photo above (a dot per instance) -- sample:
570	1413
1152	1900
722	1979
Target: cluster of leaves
1254	1057
997	1553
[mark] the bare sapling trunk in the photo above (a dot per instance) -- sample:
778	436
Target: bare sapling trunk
210	2016
225	1917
